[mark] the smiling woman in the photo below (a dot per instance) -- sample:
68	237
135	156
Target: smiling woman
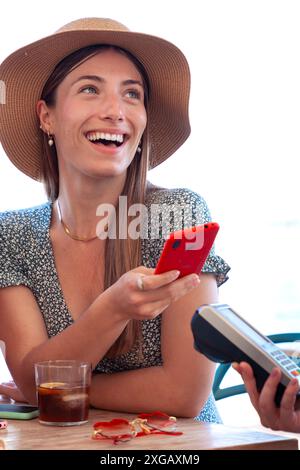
86	100
88	111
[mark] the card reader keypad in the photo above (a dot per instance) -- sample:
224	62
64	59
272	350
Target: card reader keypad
286	362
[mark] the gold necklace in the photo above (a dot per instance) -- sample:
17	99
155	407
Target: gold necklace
67	230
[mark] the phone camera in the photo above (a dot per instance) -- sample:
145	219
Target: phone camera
176	244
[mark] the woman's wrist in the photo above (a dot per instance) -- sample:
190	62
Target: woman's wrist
107	304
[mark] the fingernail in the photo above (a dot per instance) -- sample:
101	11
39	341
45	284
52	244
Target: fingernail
195	280
294	382
274	373
172	275
175	273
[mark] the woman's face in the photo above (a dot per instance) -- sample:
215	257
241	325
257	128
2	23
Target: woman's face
99	115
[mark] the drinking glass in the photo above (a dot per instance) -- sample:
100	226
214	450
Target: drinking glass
63	392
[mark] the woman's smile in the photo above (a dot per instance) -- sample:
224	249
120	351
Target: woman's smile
111	141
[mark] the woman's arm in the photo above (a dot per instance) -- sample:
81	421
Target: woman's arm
89	337
182	384
284	418
27	342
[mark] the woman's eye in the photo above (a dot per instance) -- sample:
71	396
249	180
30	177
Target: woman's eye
90	90
135	94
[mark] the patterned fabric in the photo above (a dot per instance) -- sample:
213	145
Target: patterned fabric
26	258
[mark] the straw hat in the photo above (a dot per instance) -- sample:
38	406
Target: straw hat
24	73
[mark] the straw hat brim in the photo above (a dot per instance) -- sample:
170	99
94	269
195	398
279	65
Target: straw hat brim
24	73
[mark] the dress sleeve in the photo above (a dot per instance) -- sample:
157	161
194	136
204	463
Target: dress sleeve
12	270
214	264
176	209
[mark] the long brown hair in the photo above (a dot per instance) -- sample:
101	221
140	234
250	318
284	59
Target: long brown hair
120	255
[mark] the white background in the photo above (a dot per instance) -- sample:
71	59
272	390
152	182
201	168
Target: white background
242	156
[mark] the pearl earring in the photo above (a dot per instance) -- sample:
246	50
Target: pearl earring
50	140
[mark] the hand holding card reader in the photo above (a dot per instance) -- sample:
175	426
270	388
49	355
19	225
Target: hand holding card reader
224	336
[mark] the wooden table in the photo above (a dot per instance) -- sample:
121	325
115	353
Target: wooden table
196	436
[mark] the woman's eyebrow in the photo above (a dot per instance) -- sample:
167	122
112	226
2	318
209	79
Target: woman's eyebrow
133	82
98	79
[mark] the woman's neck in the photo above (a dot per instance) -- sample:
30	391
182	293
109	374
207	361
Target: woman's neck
79	205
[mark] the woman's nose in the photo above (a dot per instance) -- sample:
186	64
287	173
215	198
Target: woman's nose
112	109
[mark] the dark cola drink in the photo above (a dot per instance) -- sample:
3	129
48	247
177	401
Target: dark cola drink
63	404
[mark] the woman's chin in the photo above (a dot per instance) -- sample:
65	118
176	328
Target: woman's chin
106	171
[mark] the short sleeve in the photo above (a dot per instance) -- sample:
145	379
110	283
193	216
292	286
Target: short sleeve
12	272
175	209
214	264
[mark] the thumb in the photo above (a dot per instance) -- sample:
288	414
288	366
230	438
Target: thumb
236	367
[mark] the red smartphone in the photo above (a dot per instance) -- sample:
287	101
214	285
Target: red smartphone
186	250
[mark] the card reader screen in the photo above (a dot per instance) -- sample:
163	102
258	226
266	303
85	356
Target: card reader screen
246	329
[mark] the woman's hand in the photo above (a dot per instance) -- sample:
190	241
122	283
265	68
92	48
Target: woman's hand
10	390
284	418
142	295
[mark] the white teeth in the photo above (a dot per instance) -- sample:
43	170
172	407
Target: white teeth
92	136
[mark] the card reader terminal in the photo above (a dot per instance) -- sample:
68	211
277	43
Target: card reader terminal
224	336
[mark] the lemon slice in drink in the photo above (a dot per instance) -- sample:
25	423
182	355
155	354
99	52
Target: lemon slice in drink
53	385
